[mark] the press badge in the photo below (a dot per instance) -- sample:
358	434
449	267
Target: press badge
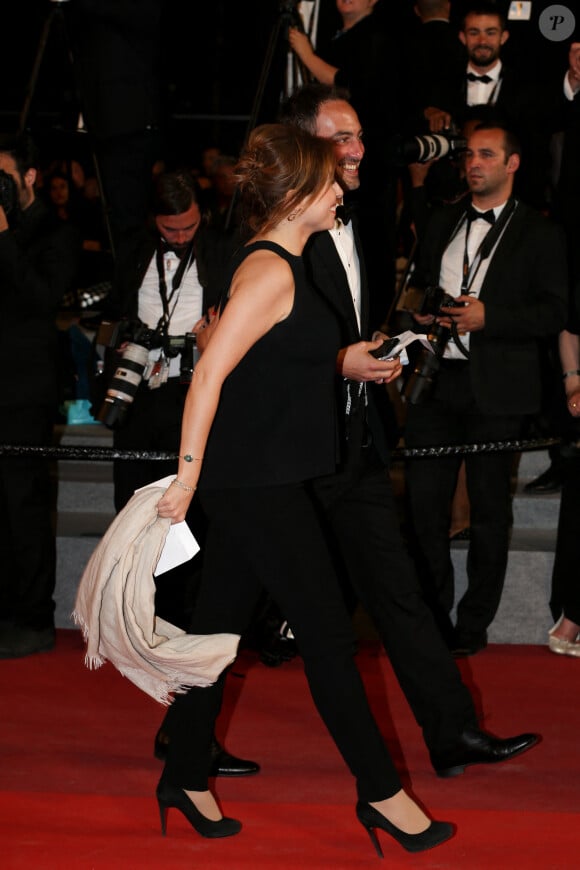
520	11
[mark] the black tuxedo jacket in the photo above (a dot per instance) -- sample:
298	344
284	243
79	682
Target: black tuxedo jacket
525	297
133	261
326	272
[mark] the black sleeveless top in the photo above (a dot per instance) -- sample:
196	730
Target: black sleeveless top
275	421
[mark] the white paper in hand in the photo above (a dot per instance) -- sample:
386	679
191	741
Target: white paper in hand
180	545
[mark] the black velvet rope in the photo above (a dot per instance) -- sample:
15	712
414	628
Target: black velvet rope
106	454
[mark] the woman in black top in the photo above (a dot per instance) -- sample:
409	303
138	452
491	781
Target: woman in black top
259	416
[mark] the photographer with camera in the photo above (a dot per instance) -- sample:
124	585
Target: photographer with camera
488	89
503	264
39	258
160	299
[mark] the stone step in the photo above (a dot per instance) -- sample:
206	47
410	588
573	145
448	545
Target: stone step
92	491
523	615
95	435
72	554
85	510
535	511
531	464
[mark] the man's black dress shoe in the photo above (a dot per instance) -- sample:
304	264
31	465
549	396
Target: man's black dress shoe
478	747
547	482
222	764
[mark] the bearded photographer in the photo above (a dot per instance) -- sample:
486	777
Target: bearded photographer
505	264
160	294
38	263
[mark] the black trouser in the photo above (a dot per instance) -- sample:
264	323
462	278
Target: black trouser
450	416
27	543
271	536
361	518
565	581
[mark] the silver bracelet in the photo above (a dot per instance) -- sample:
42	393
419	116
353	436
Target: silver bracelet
572	373
189	458
183	485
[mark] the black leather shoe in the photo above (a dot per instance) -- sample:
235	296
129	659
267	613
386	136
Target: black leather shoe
223	763
547	482
478	747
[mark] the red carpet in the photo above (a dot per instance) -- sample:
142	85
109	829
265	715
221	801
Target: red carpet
77	776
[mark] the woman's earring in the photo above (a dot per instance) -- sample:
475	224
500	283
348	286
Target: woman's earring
294	214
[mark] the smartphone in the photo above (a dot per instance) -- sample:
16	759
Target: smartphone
385	351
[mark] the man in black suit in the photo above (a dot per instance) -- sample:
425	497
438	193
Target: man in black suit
487	89
506	265
356	503
434	58
39	258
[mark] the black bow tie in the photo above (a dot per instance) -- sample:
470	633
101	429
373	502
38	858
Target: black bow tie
471	77
472	215
343	213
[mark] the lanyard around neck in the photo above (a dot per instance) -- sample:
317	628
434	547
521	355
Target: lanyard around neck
176	280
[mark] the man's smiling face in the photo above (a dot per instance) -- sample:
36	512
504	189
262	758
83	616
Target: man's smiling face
338	121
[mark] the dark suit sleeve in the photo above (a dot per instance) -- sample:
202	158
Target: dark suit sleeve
47	270
537	262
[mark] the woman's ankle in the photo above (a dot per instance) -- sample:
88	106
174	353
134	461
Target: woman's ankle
205	802
402	811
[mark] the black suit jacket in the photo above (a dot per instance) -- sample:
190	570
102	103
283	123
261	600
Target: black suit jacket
39	261
525	297
326	272
133	261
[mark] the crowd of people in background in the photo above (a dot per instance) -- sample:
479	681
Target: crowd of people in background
227	284
426	88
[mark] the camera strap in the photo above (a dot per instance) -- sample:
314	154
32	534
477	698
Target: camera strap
487	245
184	265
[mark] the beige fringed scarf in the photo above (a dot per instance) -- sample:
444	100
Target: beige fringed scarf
115	610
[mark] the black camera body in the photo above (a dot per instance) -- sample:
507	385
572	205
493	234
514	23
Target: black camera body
8	192
385	351
425	371
129	343
129	371
434	299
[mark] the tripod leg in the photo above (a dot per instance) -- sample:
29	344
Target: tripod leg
36	69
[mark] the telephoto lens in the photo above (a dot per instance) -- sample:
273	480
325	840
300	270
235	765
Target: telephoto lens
189	358
124	384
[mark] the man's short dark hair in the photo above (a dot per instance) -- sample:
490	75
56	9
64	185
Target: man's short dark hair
484	7
511	143
23	151
173	193
432	7
302	108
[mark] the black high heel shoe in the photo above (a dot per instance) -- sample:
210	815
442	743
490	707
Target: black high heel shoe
172	796
436	833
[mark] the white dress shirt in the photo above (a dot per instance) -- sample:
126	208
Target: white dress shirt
343	238
484	93
451	273
185	308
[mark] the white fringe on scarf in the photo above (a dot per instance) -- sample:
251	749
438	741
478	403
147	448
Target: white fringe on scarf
115	610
